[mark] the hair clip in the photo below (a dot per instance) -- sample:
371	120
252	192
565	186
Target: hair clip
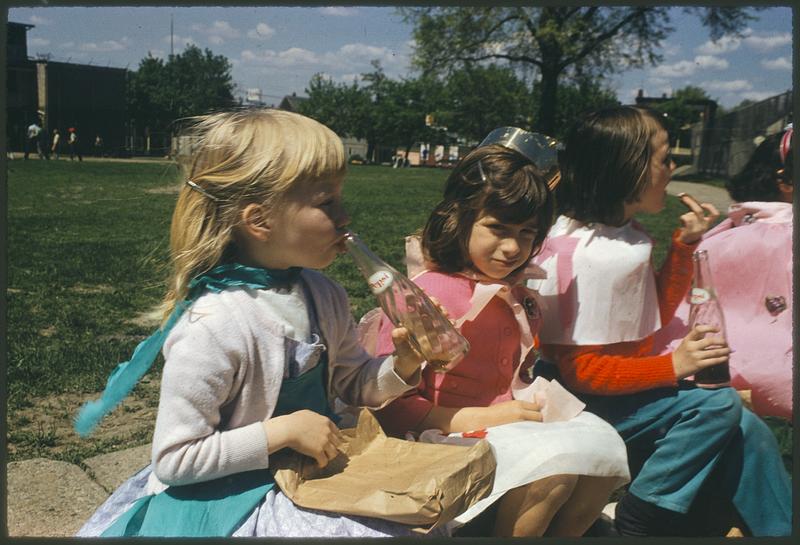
540	149
483	174
786	142
199	189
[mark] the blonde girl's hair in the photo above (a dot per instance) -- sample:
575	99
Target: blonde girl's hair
605	163
238	158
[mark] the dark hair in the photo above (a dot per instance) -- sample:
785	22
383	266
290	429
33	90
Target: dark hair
758	180
605	163
514	190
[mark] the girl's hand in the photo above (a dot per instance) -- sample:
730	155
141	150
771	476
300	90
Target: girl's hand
695	223
306	432
406	359
509	411
695	352
449	419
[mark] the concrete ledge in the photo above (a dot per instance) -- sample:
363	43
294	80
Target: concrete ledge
112	469
49	498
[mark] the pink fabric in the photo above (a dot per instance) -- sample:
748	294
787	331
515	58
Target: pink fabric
482	378
562	248
750	254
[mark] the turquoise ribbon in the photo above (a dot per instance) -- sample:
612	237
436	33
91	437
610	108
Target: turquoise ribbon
127	374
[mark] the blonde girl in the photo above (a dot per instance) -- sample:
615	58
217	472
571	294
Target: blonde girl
256	343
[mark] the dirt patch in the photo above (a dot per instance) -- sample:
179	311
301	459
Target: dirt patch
44	427
148	318
168	190
86	289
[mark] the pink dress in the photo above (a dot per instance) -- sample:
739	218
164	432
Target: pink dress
750	254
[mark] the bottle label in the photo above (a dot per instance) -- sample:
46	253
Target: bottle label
699	296
379	281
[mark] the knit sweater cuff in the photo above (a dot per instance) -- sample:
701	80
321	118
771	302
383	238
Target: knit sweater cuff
246	448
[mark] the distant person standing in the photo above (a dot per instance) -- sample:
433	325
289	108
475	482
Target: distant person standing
32	143
74	145
54	148
98	146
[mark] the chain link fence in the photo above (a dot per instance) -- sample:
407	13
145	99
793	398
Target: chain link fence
726	143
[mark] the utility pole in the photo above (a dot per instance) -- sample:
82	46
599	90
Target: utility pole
171	40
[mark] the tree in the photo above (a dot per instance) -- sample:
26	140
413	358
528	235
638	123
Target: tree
574	100
482	98
553	42
191	83
684	108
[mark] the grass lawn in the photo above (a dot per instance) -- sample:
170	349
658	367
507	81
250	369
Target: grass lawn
87	254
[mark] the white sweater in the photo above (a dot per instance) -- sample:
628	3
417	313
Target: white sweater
224	363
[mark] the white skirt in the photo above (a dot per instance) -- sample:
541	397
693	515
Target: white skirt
529	451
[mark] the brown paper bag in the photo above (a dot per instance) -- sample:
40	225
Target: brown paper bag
420	484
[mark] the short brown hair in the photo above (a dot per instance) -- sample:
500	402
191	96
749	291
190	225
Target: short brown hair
605	163
491	180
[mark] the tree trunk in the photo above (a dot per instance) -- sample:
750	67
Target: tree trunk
546	117
370	151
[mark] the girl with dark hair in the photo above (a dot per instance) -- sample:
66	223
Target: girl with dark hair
750	255
603	304
554	475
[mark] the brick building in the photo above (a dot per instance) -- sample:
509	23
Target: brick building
62	95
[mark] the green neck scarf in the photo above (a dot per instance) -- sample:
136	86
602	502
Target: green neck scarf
127	374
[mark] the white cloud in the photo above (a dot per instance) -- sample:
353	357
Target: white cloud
217	32
67	45
758	95
686	68
732	86
726	44
290	57
781	63
108	45
37	20
339	11
350	78
709	61
670	49
765	43
261	32
179	41
38	42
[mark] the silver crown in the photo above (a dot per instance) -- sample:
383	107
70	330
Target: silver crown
542	150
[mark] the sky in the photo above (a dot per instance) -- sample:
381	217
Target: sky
278	49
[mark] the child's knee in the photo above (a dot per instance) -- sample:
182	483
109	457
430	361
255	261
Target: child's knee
721	408
554	490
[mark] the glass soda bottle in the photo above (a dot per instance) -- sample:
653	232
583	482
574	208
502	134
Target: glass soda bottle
406	305
706	310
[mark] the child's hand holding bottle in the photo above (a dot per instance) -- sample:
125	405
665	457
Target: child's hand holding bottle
698	351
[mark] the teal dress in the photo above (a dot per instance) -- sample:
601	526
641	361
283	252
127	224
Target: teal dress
218	507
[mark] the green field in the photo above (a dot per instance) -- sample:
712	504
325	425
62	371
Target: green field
87	258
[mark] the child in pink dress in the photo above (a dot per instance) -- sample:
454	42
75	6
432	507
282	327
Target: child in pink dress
750	254
496	211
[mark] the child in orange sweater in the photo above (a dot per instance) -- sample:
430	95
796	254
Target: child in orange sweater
604	302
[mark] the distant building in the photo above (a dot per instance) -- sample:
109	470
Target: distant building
353	147
62	95
291	103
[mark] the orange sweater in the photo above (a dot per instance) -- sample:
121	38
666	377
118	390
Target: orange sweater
628	367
